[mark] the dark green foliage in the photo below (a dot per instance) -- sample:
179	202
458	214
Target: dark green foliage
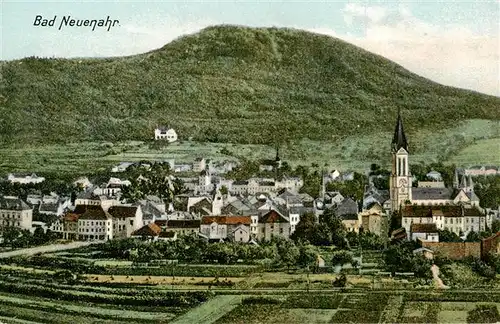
316	84
351	188
448	236
355	316
341	281
488	191
341	257
400	258
484	314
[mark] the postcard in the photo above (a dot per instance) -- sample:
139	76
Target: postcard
249	161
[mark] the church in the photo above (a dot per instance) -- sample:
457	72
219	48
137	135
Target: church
454	208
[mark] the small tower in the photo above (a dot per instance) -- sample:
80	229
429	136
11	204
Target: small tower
456	183
277	160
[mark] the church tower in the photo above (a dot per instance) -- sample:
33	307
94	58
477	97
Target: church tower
401	181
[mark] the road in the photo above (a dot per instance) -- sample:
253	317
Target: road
45	249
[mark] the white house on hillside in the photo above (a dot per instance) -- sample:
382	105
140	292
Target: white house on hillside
165	133
24	178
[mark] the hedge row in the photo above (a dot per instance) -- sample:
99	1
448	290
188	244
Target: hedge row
313	301
468	296
137	297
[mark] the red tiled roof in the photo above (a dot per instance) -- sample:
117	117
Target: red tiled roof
228	220
273	217
148	230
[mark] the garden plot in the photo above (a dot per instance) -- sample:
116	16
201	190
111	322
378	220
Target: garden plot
164	280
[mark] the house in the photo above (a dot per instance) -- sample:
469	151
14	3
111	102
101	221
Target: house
165	133
424	232
374	219
199	165
67	225
184	227
122	167
14	212
89	198
167	236
434	175
148	232
24	178
273	223
95	224
458	219
126	219
235	228
482	170
347	210
82	182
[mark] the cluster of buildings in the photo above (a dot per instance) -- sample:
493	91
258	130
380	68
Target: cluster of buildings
221	209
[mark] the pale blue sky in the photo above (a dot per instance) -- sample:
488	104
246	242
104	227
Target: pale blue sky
452	42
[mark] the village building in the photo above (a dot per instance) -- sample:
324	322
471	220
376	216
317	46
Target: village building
273	223
14	212
24	178
126	219
95	224
233	228
165	133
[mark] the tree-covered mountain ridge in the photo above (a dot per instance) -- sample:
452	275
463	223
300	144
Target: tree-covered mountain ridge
227	84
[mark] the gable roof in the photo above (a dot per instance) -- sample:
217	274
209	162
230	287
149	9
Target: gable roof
95	213
122	211
13	204
431	193
228	220
273	216
150	229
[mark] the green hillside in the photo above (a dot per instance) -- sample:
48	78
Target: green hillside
227	84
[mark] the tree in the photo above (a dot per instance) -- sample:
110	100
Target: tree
223	190
340	281
341	257
484	314
448	236
495	226
335	227
308	255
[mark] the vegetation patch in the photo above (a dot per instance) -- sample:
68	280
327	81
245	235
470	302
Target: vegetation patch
319	301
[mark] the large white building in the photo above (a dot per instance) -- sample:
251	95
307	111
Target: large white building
165	133
24	178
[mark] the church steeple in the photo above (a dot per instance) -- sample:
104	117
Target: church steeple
399	138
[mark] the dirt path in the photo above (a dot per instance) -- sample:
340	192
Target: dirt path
45	249
210	311
435	274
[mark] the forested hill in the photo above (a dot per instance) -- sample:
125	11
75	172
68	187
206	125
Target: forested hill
227	84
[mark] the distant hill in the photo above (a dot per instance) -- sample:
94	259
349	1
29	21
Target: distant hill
227	84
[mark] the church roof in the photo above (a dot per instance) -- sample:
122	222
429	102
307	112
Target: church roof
399	138
431	193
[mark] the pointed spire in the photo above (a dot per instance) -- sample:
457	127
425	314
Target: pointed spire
399	138
463	184
471	183
455	180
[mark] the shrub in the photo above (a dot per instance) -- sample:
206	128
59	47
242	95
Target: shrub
483	314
